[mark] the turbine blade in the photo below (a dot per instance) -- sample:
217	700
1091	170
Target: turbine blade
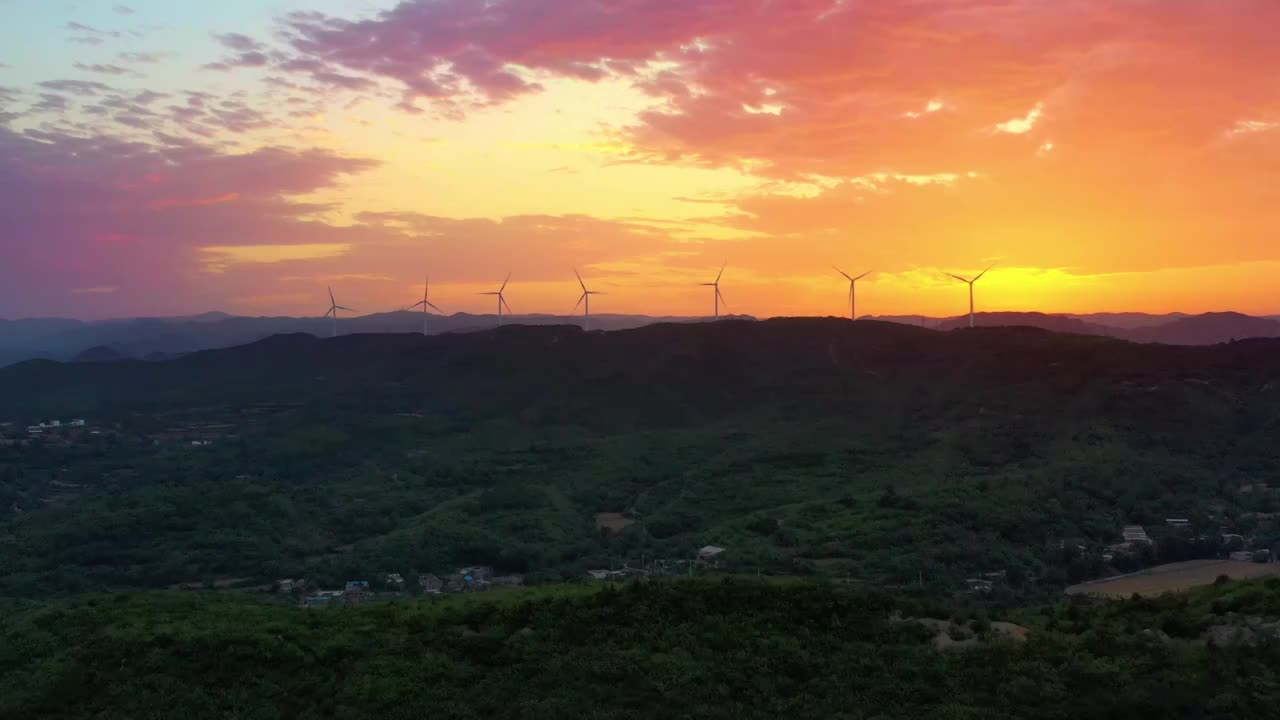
984	272
433	307
489	293
504	283
505	304
961	279
346	308
721	273
707	284
584	297
863	275
426	287
721	296
843	273
331	300
421	302
584	285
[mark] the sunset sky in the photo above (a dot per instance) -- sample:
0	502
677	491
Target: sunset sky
161	157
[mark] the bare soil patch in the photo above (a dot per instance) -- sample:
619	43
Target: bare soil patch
613	522
1173	577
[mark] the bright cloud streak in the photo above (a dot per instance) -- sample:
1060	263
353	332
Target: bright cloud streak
218	259
1022	125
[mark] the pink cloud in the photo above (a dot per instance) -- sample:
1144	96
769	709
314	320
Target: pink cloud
94	212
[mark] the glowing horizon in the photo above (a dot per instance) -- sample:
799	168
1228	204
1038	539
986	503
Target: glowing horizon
1112	155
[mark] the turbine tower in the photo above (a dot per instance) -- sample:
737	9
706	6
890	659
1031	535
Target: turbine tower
970	284
502	300
716	285
586	298
425	303
853	314
334	307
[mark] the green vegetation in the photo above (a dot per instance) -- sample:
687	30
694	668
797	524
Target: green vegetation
704	649
880	453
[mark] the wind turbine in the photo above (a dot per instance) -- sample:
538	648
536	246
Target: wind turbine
425	303
502	300
586	298
853	315
334	307
970	284
716	285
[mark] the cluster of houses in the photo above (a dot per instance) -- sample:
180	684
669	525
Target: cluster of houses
54	426
468	579
1135	538
55	431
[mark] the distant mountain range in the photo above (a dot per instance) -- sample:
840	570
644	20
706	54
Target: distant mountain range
1171	329
160	338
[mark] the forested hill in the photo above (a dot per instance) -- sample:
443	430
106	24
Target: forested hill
660	373
677	649
880	453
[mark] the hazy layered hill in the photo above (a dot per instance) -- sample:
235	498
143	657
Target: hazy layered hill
1207	329
62	339
1056	323
1172	329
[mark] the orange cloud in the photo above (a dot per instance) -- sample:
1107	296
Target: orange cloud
196	202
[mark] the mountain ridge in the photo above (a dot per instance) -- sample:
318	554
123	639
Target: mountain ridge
63	339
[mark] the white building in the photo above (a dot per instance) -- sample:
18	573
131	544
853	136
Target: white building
710	552
1135	534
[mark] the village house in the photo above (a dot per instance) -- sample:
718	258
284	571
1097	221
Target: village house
430	584
357	591
323	598
469	579
394	580
476	574
1242	556
599	574
711	555
979	585
508	580
1135	534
